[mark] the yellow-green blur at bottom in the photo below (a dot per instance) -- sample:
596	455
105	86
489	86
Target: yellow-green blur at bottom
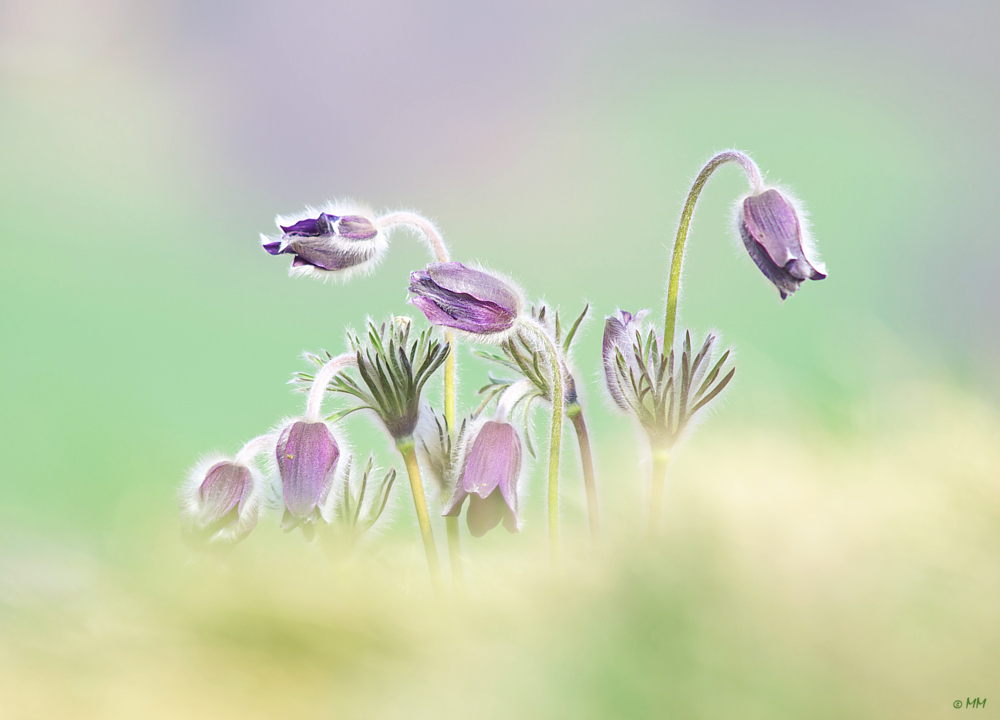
796	575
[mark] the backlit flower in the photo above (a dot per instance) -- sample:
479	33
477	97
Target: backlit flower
453	295
307	456
488	478
774	235
333	242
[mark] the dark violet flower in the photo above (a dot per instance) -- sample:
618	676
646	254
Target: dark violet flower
221	499
489	479
307	455
476	302
333	242
774	233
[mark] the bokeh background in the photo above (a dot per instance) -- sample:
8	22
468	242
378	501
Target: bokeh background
831	540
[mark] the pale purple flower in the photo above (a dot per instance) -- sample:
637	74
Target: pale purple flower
221	499
620	337
488	478
456	296
773	234
307	456
332	242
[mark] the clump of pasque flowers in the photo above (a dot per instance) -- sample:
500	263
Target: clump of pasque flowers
306	471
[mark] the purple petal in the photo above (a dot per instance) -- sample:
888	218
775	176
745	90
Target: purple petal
453	295
327	253
356	227
307	455
772	235
273	247
224	489
311	227
489	479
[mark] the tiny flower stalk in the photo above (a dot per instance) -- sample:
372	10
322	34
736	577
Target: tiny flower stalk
393	373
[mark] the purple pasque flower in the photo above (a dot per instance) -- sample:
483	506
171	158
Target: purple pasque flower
221	499
307	455
774	234
489	475
620	338
334	241
473	301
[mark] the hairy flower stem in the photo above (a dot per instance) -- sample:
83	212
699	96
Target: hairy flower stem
575	413
674	283
317	390
439	250
555	437
661	459
406	449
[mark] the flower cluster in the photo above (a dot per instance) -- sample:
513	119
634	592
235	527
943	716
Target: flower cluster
661	381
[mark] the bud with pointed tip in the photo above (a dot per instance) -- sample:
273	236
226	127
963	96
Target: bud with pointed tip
476	302
489	479
334	242
620	338
307	455
221	499
773	231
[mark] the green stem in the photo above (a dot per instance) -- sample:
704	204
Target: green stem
674	284
661	459
555	437
575	413
455	554
451	523
406	449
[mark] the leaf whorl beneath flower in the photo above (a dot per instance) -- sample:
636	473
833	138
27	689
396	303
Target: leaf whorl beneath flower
663	394
393	373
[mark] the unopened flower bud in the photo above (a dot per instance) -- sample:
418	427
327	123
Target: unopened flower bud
333	241
774	235
620	338
453	295
488	478
221	499
307	455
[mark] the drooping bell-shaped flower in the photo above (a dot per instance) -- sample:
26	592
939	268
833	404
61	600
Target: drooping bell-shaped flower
455	296
774	234
221	499
307	455
335	241
488	478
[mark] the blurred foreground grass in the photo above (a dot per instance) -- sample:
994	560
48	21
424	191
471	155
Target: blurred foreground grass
800	574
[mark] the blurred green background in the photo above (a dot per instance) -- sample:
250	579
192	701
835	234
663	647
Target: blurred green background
832	532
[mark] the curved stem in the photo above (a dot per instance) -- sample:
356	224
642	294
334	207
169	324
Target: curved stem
575	413
317	390
555	438
674	284
661	459
253	448
406	449
430	233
